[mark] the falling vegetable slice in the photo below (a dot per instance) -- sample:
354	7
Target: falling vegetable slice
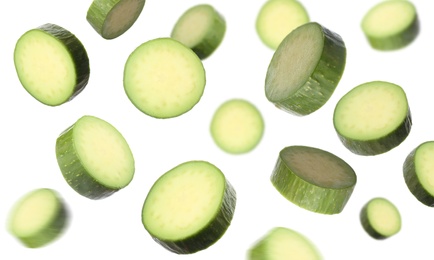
380	218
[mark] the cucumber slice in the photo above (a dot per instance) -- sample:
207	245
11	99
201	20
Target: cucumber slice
51	64
418	171
38	218
163	78
94	158
380	218
189	208
277	18
391	24
313	179
305	69
237	126
283	243
373	118
112	18
200	28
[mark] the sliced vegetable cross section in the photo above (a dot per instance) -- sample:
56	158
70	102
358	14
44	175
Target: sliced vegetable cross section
380	218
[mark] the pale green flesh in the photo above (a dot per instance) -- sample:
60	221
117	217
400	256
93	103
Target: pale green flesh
45	67
237	126
424	166
184	201
121	17
277	18
384	217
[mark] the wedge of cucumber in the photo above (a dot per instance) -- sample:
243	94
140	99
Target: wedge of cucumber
189	208
373	118
305	69
94	158
380	218
52	64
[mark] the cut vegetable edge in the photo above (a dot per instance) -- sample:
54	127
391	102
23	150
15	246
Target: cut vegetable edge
380	218
313	179
168	207
51	64
305	69
94	158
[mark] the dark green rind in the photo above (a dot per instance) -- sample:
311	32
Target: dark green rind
321	84
364	220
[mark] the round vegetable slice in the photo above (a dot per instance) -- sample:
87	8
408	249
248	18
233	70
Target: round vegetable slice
380	218
277	18
51	64
283	243
189	208
38	218
163	78
200	28
112	18
373	118
237	126
305	69
313	179
391	24
94	158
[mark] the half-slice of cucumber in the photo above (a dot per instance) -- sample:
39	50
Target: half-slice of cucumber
391	24
380	218
51	64
38	218
305	69
189	208
373	118
277	18
313	179
200	28
94	158
164	78
112	18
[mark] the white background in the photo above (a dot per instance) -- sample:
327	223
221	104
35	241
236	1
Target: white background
111	228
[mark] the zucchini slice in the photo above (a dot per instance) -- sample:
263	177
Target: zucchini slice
200	28
38	218
189	208
373	118
237	126
283	243
313	179
164	78
94	158
391	25
112	18
305	69
52	64
380	218
277	18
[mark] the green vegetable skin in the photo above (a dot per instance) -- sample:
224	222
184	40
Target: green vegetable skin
380	218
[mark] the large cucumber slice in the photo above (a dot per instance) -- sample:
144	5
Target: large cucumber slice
94	158
313	179
164	78
305	69
112	18
38	218
200	28
373	118
51	64
189	208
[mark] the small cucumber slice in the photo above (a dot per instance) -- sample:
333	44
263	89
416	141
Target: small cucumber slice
189	208
305	69
283	243
51	64
163	78
200	28
94	158
112	18
373	118
380	218
313	179
237	126
38	218
277	18
391	24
